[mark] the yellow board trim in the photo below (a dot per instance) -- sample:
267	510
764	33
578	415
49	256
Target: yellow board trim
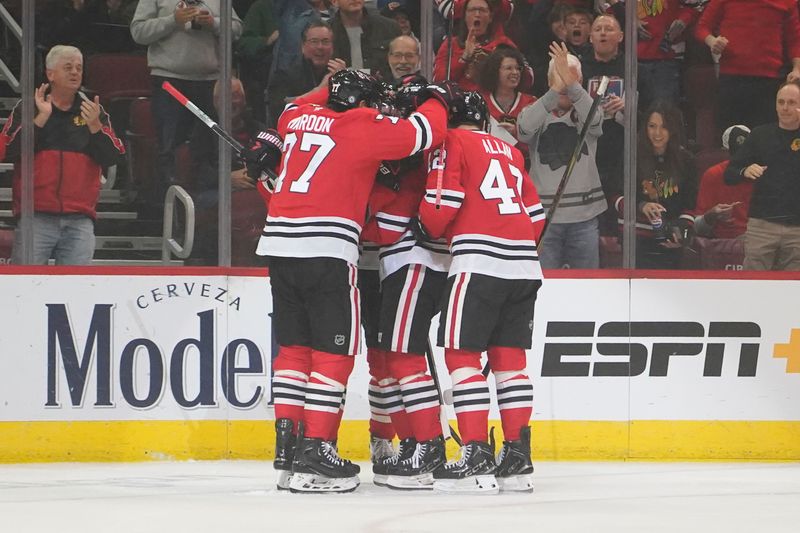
657	440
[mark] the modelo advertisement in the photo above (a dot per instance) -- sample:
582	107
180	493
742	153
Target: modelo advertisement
173	347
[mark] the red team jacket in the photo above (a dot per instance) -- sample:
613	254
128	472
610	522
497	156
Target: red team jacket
328	170
489	211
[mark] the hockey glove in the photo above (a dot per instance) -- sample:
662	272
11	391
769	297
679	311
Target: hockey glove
418	230
446	92
263	156
388	175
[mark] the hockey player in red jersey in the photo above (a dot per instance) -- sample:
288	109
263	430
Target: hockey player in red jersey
331	155
413	276
488	208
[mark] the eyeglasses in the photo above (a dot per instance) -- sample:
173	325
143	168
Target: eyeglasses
478	10
319	42
408	56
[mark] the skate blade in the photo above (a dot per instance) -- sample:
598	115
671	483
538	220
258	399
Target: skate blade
380	479
317	484
520	483
284	477
483	484
418	482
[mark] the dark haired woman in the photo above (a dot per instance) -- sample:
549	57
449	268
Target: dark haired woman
667	190
500	78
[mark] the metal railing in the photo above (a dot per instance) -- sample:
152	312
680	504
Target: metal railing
12	25
170	245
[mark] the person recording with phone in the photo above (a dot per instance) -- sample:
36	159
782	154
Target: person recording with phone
73	141
182	48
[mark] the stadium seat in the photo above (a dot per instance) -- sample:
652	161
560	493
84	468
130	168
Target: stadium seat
715	254
141	146
7	243
706	159
115	76
700	88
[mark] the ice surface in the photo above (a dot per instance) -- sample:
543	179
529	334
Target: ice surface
239	497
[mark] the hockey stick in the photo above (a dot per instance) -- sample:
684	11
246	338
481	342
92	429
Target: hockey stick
601	91
240	150
447	430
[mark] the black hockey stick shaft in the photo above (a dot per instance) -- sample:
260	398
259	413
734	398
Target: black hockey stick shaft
601	90
446	427
450	23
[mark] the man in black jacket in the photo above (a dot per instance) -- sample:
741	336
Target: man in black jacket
771	158
306	75
361	38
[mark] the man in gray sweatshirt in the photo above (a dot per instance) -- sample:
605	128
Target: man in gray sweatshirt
551	127
182	41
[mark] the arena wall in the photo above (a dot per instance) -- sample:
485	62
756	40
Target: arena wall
149	364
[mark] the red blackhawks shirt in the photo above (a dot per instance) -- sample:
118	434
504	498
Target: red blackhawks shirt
489	209
327	171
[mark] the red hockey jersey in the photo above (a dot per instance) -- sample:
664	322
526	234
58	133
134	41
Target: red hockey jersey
388	226
488	208
328	168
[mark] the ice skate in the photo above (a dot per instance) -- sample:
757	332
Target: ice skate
380	470
317	468
285	442
472	473
514	468
380	449
416	472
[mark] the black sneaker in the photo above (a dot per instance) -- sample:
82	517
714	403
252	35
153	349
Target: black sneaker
514	467
382	468
416	472
472	472
317	467
285	442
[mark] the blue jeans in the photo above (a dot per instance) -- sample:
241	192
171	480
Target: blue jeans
572	245
69	239
659	80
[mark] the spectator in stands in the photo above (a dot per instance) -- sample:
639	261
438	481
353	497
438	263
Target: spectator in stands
545	25
550	127
479	32
361	38
661	47
73	141
722	209
577	29
293	17
753	41
182	48
667	190
606	59
400	15
312	71
259	34
403	58
248	210
500	78
770	157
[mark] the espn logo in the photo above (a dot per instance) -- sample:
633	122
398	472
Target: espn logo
646	345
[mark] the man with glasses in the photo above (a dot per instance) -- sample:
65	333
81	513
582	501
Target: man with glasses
316	63
403	57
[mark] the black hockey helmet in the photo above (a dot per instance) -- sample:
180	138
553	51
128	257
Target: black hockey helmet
470	108
347	88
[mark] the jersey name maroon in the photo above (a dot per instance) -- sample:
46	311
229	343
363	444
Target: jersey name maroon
488	207
328	168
